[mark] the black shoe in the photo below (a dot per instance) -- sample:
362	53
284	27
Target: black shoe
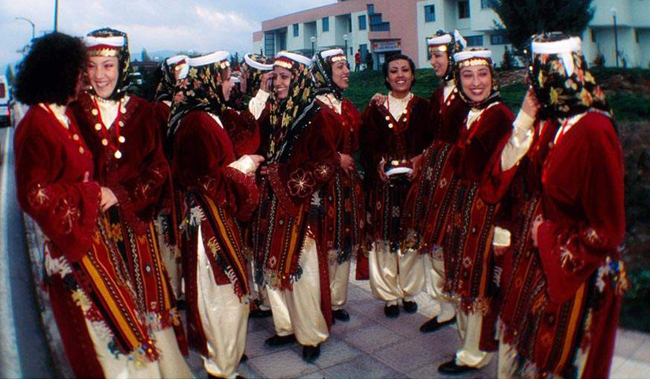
243	358
433	324
391	311
341	315
260	313
277	340
451	368
410	306
310	353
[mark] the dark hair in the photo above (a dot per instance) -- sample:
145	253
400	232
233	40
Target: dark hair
50	71
395	57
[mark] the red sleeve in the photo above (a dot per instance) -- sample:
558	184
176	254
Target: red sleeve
243	131
65	210
587	186
370	155
140	185
313	161
202	153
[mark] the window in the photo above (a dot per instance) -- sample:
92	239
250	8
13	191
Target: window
371	8
362	22
593	35
636	35
296	30
485	4
474	41
463	9
498	39
326	24
381	27
429	13
269	44
364	50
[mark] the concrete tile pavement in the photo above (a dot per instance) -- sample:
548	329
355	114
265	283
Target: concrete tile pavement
372	346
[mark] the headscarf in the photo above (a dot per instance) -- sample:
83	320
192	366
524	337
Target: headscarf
165	89
290	117
107	42
450	44
476	57
199	90
255	66
559	76
321	71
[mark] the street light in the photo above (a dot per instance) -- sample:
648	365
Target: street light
313	42
345	39
615	34
56	14
30	23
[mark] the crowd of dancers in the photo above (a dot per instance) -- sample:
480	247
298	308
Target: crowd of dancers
249	192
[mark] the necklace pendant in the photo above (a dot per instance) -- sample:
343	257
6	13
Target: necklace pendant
122	139
105	142
118	154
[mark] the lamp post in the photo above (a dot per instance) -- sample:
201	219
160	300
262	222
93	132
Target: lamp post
615	34
345	39
313	45
30	23
56	15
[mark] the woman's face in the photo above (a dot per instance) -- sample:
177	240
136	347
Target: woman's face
102	74
341	74
282	82
227	84
476	82
400	76
440	62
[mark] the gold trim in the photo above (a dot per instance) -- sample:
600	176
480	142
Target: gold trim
474	62
435	48
338	58
283	64
105	52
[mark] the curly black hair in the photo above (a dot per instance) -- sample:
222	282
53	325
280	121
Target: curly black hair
50	71
394	57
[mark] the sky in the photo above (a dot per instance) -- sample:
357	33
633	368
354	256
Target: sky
177	25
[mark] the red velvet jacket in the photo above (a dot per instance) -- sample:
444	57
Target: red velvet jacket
313	160
137	178
162	117
202	153
408	137
478	144
584	211
51	174
243	131
447	116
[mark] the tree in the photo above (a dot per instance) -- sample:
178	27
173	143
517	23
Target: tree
234	61
523	18
145	55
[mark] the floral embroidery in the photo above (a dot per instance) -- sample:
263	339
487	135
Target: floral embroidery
301	183
38	197
323	172
69	214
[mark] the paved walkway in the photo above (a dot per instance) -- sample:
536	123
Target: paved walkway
373	346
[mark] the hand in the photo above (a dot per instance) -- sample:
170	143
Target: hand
415	164
535	229
530	105
266	80
347	163
108	199
378	98
257	159
380	170
86	176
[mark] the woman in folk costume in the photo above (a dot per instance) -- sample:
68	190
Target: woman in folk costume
167	220
428	201
219	190
395	132
343	216
97	316
467	243
561	303
124	138
301	157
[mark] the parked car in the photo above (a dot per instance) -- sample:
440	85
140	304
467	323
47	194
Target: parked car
5	99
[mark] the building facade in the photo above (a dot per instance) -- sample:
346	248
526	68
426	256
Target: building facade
384	27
